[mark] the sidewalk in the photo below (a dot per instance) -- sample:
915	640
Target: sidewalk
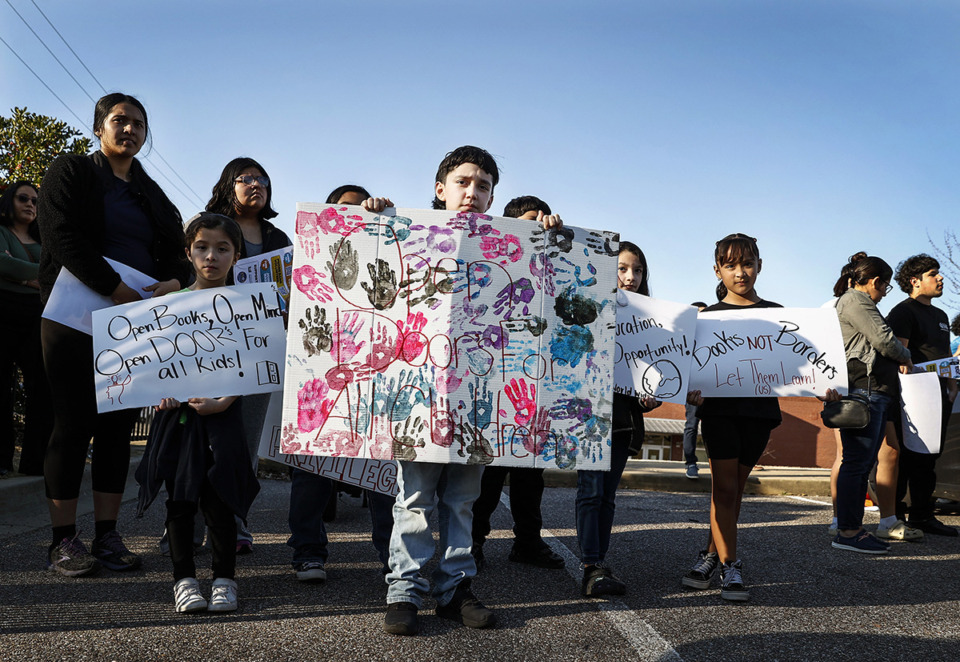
24	508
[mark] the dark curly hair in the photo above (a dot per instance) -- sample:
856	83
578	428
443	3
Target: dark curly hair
914	267
466	154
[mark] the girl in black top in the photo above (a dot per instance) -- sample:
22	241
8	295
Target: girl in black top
735	430
92	207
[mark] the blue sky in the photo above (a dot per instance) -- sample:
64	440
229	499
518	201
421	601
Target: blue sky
822	128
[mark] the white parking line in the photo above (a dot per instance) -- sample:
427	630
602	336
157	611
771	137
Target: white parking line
806	500
646	641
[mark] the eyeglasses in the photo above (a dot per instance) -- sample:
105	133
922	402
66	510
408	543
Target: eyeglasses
250	180
26	198
886	287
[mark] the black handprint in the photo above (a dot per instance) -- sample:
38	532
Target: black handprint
316	332
383	292
405	445
344	265
606	243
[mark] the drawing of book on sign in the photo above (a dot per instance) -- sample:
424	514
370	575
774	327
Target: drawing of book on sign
268	372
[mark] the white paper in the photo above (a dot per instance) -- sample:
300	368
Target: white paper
71	302
654	347
922	411
377	475
768	352
208	343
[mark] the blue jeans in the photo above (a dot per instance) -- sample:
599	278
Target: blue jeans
309	494
381	522
412	546
596	491
860	448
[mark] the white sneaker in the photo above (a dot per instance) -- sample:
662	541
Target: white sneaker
186	596
224	597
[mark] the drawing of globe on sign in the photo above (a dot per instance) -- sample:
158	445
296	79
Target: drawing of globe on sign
662	379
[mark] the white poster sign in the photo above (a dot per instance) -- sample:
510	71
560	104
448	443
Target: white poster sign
275	267
768	352
441	337
376	475
72	303
208	343
654	347
922	411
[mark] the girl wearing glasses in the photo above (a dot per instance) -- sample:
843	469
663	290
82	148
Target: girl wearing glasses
20	328
874	355
244	193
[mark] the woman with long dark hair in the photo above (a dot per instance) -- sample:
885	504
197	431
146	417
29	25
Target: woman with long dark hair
92	207
20	329
874	355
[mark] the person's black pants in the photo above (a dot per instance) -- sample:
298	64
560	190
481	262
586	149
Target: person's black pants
68	358
221	528
526	493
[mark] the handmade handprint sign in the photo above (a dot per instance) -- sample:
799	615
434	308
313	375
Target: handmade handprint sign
425	336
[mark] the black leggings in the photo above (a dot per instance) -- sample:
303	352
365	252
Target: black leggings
68	358
222	533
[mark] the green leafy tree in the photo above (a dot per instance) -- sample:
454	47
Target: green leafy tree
29	143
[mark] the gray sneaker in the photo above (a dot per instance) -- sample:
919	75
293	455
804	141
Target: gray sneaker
693	472
71	559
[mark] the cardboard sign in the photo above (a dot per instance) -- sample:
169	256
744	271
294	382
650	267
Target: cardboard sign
654	347
208	343
377	475
768	352
441	337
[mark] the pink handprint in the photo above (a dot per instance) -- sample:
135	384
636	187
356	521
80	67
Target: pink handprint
288	440
411	341
523	400
441	422
313	405
308	280
344	338
383	350
539	432
507	247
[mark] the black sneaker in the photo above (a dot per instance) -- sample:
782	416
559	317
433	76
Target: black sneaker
731	582
542	557
310	571
599	580
703	571
401	618
478	558
112	553
71	559
933	526
465	608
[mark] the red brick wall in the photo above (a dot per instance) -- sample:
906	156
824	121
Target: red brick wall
800	441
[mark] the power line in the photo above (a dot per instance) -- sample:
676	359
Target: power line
196	196
52	54
70	110
70	47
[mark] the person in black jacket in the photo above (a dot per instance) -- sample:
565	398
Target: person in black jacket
244	193
93	207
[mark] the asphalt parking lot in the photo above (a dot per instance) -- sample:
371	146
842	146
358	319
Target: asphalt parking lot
808	601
